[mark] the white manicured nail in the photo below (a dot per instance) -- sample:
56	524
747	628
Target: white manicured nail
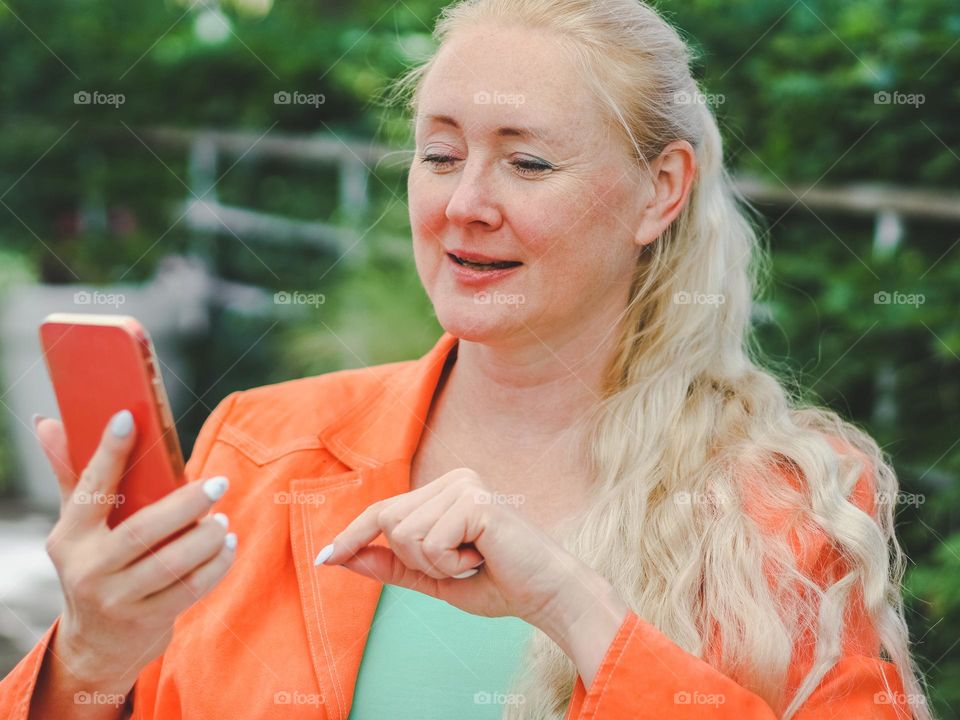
469	573
231	541
215	487
121	424
222	519
324	555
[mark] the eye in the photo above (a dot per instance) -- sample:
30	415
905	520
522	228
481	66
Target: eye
529	166
439	162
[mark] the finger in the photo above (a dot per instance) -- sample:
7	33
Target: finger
183	593
406	537
157	521
173	561
382	564
53	442
447	546
364	528
103	473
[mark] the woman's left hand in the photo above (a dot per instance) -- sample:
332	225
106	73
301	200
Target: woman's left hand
524	572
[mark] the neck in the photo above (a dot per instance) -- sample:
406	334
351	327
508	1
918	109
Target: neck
531	386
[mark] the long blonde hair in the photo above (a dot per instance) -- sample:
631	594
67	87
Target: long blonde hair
690	431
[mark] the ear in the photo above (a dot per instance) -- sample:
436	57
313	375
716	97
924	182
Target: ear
671	176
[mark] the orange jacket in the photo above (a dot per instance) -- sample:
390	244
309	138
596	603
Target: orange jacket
279	639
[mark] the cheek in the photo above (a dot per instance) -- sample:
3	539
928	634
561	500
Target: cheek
427	211
580	244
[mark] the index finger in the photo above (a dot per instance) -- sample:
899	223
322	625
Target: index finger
361	531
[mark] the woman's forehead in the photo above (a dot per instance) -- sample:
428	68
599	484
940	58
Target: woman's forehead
510	67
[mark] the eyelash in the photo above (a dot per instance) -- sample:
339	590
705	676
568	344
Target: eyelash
526	168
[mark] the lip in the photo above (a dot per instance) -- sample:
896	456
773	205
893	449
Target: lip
477	278
477	257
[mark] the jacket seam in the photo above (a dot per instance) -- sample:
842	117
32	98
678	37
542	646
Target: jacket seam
232	400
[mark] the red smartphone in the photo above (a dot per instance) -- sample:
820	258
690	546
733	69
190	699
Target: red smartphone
99	365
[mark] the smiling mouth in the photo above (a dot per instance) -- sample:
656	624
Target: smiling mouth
499	265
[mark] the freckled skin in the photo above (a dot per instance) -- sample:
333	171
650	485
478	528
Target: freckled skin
573	227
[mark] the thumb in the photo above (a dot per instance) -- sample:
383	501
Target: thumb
53	442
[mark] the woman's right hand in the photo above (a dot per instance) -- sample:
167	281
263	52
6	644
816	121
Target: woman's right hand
120	601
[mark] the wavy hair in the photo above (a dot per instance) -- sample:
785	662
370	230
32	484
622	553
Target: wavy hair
709	473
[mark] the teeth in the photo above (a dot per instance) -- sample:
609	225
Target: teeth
485	266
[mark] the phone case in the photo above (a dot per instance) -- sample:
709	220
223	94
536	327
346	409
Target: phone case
99	365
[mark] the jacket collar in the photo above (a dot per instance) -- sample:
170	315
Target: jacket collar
377	440
386	425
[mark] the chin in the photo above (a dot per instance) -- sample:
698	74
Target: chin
478	323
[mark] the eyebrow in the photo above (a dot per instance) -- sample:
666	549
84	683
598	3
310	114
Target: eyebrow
521	132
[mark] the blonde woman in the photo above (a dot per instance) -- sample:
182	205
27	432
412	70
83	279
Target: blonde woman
586	501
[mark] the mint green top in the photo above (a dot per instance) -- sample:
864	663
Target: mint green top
426	660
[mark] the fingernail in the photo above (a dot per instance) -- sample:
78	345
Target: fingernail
231	541
324	555
215	487
121	424
222	519
37	417
469	573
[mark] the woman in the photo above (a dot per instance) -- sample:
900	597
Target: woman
589	449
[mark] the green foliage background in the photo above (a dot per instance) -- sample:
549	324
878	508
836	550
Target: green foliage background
85	198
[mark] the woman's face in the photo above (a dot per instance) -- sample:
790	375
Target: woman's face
524	170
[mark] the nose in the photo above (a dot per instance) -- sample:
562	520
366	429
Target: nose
473	200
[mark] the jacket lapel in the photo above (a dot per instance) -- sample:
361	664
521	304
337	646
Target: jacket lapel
376	440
